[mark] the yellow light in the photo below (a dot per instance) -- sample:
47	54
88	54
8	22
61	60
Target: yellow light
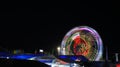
58	48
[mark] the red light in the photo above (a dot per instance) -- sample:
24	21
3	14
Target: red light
117	65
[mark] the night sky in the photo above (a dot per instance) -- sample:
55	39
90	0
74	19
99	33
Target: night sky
45	27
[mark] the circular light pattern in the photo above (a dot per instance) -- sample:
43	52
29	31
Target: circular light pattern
83	40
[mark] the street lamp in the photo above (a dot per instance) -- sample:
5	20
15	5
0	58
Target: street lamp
58	49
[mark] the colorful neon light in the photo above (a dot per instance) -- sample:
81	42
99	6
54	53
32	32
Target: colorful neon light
83	40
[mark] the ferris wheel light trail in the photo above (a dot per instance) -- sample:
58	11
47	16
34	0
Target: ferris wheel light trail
83	40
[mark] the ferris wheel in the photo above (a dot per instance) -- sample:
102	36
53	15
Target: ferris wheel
83	40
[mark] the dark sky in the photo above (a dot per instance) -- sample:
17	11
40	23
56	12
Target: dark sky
44	27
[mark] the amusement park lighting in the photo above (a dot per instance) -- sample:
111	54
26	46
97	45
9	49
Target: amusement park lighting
7	57
40	50
58	49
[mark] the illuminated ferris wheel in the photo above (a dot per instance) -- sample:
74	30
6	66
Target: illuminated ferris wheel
83	40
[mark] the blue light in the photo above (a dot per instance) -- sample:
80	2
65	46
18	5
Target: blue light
73	58
46	61
63	56
22	56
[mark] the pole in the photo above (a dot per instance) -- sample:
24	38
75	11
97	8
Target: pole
106	53
116	56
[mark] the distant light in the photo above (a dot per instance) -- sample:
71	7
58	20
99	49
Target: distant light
41	51
7	57
76	65
58	48
63	48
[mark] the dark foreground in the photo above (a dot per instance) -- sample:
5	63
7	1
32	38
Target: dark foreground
26	63
20	63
